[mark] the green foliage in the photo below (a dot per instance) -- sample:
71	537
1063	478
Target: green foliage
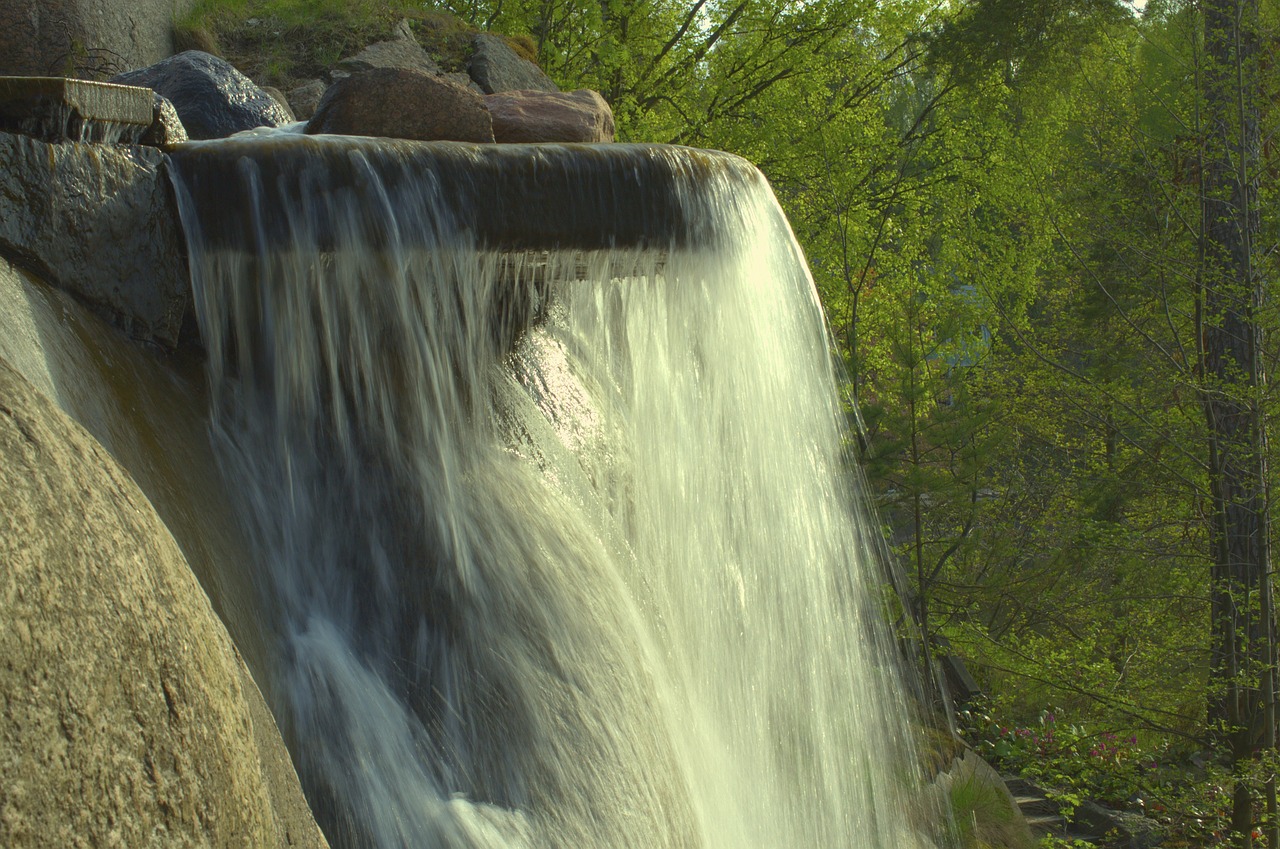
1072	761
1022	38
1000	201
1186	791
1050	841
1076	552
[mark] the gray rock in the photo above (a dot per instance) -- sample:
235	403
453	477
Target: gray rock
400	53
98	222
166	127
497	68
463	80
404	29
89	38
129	718
1122	830
282	100
213	99
305	98
547	116
405	104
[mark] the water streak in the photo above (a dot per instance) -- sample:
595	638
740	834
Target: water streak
556	533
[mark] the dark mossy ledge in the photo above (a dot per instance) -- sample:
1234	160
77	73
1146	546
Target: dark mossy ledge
508	197
100	221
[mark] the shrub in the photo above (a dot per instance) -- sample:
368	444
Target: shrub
1189	793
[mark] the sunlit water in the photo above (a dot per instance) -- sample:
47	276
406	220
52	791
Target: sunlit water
557	548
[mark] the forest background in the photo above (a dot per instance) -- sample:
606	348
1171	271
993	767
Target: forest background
1043	236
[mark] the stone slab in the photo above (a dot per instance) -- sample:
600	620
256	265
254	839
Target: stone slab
60	108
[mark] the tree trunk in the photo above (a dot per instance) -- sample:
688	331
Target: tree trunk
1234	382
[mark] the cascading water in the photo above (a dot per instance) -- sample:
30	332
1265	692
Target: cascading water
542	454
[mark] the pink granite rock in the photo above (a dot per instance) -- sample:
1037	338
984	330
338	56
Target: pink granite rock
405	104
543	116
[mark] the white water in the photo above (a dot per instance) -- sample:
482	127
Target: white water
604	588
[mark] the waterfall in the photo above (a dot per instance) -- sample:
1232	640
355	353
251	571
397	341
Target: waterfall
541	454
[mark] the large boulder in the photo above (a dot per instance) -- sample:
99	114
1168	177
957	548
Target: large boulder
496	68
128	717
402	103
99	222
543	116
213	99
91	38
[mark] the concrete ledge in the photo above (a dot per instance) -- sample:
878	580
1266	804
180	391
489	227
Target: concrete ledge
58	109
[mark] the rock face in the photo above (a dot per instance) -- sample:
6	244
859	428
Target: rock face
213	99
85	37
541	116
497	68
463	80
405	104
97	221
128	717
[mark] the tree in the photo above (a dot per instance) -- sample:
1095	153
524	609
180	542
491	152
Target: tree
1131	243
1232	392
677	72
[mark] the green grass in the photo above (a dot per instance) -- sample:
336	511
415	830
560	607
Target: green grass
984	816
